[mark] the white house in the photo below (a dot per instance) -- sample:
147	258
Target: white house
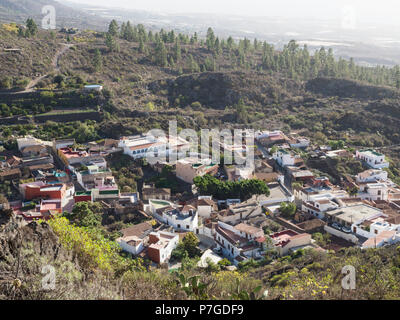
314	193
205	205
137	146
239	243
372	158
131	244
299	143
379	226
318	207
184	218
374	191
266	134
382	239
372	175
354	215
161	245
284	158
148	145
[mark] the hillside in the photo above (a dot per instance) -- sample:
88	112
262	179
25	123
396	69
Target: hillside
32	58
19	10
305	275
350	89
148	82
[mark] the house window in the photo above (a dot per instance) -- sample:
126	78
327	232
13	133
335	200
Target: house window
179	226
187	227
376	231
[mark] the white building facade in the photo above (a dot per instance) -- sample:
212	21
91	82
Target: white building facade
372	158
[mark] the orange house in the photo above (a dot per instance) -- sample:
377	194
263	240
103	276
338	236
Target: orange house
56	191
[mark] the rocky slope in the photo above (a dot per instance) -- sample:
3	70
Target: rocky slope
28	250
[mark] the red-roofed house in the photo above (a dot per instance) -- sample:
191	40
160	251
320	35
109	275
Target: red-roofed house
287	240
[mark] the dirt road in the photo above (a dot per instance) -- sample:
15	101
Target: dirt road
55	68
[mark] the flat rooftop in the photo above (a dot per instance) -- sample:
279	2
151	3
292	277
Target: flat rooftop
371	152
52	188
276	191
355	213
158	204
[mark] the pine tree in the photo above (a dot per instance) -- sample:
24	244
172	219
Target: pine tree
255	44
209	64
217	47
97	61
129	32
397	76
21	32
171	62
161	54
150	37
113	28
177	50
142	48
230	43
210	40
111	43
32	28
192	65
171	36
123	30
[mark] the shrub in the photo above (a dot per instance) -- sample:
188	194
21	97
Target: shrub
92	253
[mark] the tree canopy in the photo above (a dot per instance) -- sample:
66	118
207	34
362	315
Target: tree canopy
243	189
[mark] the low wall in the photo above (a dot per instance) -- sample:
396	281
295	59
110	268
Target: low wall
97	116
14	120
348	237
68	117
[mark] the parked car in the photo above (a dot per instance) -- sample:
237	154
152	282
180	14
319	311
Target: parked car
346	230
336	226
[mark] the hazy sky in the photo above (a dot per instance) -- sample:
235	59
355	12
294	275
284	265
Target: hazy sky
366	10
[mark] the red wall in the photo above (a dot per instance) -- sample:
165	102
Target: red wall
82	199
35	192
154	254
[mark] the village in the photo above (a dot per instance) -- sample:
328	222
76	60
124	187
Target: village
301	211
